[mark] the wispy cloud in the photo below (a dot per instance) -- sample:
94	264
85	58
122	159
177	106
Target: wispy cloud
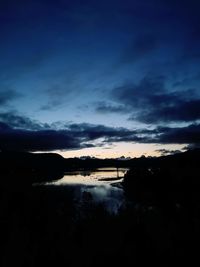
7	96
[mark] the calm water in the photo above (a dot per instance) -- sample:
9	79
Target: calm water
99	186
101	176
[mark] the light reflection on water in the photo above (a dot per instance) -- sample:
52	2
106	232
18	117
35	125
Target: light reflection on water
102	185
99	177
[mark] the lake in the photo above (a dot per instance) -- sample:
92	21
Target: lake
100	186
98	177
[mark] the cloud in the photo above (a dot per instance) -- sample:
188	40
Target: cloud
180	135
6	96
56	95
165	152
192	146
43	140
18	132
150	101
21	133
52	105
17	121
105	107
134	95
91	132
182	111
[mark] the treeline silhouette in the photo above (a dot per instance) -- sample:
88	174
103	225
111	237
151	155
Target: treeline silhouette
167	193
27	168
169	178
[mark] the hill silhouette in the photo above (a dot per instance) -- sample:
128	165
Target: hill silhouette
168	177
27	168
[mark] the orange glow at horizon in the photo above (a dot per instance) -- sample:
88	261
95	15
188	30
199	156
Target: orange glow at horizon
120	149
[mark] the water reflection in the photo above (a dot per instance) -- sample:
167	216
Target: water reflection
100	176
111	197
102	186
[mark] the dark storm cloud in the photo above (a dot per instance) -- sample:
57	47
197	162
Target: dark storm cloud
150	101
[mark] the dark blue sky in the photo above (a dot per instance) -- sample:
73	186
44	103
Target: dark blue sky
103	78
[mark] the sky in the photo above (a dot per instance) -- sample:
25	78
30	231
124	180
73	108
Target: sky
100	78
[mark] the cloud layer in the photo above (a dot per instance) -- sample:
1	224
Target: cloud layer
21	133
151	102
